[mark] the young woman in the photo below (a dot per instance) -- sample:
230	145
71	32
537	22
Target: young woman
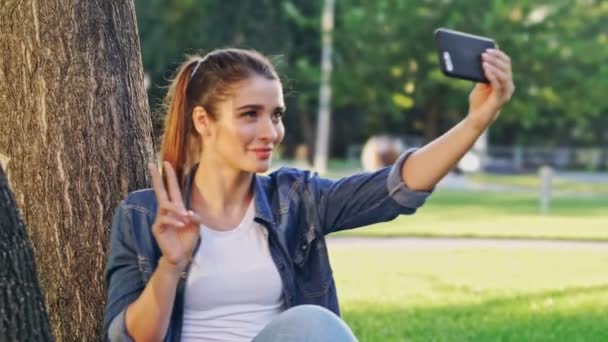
217	252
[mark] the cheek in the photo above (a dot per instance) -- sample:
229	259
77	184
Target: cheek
280	133
245	133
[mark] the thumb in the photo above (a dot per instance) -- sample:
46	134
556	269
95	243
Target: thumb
194	218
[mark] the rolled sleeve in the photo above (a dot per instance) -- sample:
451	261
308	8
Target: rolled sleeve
123	278
365	198
397	189
117	332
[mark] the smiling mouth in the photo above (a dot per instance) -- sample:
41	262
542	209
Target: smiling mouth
262	153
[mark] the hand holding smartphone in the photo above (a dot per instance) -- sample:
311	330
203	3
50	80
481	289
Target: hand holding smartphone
460	54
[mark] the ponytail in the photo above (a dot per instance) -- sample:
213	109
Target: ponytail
180	146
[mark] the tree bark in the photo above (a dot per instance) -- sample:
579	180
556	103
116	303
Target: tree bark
24	316
75	135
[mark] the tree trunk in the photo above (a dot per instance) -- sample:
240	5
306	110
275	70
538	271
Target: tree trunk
75	135
23	315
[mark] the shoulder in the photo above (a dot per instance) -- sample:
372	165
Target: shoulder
143	200
134	216
290	177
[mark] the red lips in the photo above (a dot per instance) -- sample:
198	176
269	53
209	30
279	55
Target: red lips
262	149
262	152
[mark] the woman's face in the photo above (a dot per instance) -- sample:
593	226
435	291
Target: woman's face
247	127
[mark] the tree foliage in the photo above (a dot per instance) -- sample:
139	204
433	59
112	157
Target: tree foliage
386	74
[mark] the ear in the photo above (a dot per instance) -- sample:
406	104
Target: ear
201	119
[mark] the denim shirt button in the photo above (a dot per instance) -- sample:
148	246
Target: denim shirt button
304	247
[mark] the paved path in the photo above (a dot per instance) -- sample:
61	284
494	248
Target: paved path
585	177
413	243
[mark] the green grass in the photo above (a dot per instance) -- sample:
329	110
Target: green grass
473	294
502	215
532	182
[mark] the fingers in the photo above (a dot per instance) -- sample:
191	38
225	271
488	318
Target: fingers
497	68
497	59
167	207
164	222
187	217
175	218
194	218
490	72
157	184
174	190
174	194
169	221
170	215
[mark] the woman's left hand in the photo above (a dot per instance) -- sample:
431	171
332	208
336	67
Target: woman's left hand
486	100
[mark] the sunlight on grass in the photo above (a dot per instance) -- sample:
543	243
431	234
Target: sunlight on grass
462	214
532	181
473	294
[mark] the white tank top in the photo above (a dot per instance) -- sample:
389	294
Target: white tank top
234	288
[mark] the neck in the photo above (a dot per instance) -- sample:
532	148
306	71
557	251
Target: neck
221	191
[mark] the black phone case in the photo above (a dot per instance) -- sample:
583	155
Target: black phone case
460	54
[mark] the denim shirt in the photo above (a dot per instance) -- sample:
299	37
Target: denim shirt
298	209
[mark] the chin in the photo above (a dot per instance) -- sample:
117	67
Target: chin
261	167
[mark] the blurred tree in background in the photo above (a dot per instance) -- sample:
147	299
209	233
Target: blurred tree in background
390	72
386	74
285	30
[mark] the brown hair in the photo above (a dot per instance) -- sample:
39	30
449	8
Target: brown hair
203	81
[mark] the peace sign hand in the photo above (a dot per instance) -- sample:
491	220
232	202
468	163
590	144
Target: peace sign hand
175	229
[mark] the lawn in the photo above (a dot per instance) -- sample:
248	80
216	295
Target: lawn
499	214
389	294
532	182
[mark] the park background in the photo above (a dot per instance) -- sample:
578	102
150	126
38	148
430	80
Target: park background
488	258
385	79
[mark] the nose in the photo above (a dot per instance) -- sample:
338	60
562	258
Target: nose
267	130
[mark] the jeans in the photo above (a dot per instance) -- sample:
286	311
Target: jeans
306	323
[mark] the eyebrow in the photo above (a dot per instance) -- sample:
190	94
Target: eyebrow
259	107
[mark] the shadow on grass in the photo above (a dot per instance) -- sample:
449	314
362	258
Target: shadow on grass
574	314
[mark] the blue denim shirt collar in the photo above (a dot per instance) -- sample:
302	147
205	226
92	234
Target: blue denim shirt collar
262	203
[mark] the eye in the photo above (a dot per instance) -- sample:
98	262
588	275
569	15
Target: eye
277	115
250	114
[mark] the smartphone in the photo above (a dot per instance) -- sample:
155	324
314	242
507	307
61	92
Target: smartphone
460	54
